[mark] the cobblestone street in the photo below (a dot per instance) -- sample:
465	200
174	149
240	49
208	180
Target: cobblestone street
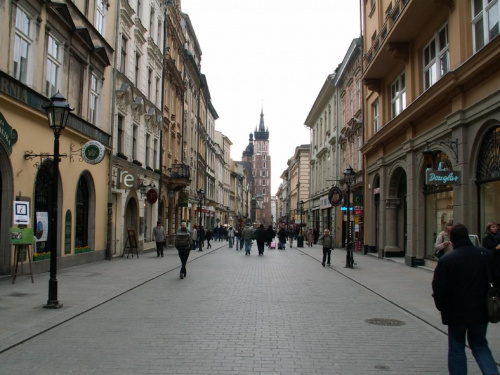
281	313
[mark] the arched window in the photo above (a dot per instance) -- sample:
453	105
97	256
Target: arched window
82	214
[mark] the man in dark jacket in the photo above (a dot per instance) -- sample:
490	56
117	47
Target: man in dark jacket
459	289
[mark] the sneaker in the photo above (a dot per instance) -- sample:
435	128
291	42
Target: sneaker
181	275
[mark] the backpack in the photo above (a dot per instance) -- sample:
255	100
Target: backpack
183	242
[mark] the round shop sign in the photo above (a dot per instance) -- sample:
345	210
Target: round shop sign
152	196
335	196
93	152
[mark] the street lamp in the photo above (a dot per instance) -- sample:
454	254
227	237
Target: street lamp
349	179
57	113
201	194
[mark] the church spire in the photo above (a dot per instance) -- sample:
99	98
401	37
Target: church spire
262	132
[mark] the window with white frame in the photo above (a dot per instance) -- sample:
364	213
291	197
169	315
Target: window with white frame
157	92
376	114
139	9
155	154
485	19
54	59
22	43
150	83
398	95
100	16
123	60
94	99
148	149
137	68
152	22
158	33
436	58
120	140
134	142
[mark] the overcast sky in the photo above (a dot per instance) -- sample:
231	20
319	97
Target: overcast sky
273	55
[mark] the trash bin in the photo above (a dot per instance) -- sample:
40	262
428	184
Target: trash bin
300	241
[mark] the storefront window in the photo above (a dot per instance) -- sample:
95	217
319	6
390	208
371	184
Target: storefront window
488	179
438	205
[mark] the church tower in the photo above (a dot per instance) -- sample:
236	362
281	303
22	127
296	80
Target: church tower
261	171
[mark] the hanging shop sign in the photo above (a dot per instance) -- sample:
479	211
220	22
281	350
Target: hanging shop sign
434	177
93	152
152	196
183	199
8	135
335	196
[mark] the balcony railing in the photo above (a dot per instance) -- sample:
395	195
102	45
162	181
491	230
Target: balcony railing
179	171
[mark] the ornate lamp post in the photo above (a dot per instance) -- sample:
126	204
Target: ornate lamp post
57	113
349	179
201	195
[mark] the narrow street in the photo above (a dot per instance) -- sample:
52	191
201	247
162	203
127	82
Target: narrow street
281	313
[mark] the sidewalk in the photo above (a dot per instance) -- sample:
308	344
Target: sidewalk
85	287
80	289
406	287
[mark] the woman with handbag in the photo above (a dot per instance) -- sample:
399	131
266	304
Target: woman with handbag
491	240
443	244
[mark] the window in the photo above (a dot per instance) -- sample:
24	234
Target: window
485	18
155	154
375	110
123	61
134	143
94	99
436	58
121	134
53	64
157	94
82	214
148	149
99	16
151	22
398	95
150	83
139	7
158	34
22	43
137	65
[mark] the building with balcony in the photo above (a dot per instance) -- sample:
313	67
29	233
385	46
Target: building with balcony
431	90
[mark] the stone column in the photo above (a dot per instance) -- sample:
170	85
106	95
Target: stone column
391	245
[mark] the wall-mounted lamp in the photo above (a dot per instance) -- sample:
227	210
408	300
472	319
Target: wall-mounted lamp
429	154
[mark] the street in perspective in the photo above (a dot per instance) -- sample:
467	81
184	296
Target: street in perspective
280	313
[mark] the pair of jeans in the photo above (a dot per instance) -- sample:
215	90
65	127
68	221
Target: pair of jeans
248	245
476	337
238	240
183	255
231	239
327	253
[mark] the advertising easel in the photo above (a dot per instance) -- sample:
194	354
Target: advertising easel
131	242
22	239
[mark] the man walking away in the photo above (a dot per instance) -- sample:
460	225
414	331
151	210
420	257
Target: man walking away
459	289
260	237
247	236
327	241
183	244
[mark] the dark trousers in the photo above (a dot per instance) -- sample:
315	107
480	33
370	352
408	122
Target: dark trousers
327	253
208	244
159	248
260	246
183	255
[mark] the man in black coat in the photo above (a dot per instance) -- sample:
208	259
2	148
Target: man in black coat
459	289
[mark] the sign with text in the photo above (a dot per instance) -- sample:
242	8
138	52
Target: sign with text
433	177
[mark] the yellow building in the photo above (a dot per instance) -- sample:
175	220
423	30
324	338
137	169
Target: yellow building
47	48
431	70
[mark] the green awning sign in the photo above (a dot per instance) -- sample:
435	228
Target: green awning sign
8	135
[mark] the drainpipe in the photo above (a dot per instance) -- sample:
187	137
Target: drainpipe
109	228
162	108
